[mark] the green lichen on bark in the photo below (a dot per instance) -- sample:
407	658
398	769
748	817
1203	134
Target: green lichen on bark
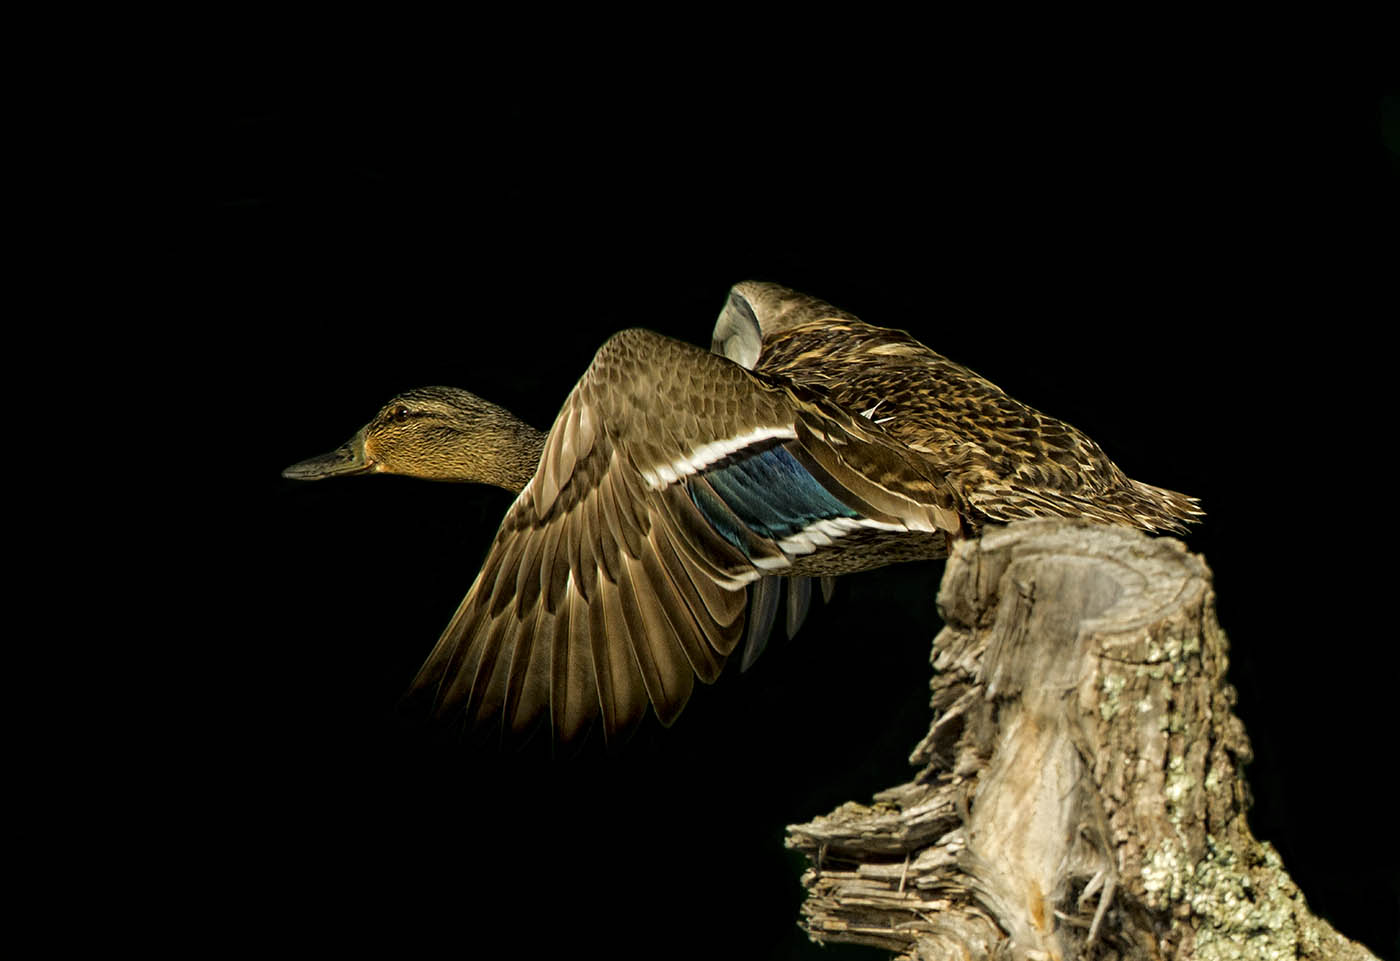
1245	904
1113	685
1164	874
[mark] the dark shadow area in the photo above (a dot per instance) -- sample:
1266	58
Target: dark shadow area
1187	270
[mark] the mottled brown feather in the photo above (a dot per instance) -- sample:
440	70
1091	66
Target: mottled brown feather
1003	459
605	590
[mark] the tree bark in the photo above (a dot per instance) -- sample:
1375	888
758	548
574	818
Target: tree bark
1082	792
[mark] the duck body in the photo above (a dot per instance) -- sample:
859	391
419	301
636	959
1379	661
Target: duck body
1006	460
676	484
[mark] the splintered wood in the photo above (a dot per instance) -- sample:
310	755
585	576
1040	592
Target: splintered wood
1081	793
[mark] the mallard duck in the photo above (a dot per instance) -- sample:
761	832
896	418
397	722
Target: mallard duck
807	444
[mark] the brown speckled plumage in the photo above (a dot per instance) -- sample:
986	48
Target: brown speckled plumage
1005	460
673	479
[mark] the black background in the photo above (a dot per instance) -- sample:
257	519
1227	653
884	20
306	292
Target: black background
1185	260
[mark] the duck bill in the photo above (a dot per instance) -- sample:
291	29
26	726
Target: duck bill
348	458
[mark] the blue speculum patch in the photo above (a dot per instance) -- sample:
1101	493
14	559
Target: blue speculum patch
769	492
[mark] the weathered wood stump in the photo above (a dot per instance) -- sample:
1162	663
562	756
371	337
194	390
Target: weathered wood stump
1081	792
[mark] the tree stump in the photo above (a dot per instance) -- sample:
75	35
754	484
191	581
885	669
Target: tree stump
1081	792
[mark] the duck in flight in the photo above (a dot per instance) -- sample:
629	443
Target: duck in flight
676	483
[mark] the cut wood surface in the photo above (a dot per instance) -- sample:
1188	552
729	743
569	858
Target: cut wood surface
1081	791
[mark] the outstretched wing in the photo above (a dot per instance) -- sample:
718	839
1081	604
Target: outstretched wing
670	480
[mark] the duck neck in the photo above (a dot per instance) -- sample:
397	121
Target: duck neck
515	462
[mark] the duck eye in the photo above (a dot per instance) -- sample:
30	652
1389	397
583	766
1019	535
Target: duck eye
400	414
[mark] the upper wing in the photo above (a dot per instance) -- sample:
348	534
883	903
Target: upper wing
671	479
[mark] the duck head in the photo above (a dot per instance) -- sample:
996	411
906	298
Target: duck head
436	433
